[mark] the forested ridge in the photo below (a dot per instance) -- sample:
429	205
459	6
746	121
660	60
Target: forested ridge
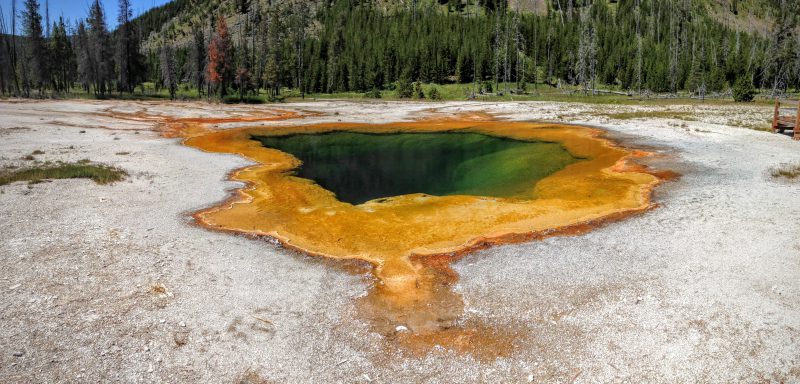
245	48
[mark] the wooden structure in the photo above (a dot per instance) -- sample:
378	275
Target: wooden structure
781	124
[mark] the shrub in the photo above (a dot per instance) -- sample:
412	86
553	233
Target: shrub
404	88
434	94
789	171
375	93
487	87
743	90
417	90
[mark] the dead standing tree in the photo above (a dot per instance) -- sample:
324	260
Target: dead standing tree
220	66
169	73
586	63
506	68
638	47
519	49
674	48
497	37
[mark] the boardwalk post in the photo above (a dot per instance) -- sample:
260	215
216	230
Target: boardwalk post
775	116
796	135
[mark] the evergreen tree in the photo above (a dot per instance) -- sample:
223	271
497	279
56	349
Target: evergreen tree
197	59
85	59
61	47
347	45
35	73
99	50
404	87
125	48
743	90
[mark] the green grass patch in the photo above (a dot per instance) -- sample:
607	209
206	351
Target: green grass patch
101	174
249	99
788	171
451	91
539	92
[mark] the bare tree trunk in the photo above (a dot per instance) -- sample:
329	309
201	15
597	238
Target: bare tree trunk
638	48
673	51
47	18
505	52
549	56
535	49
497	51
560	11
14	44
520	54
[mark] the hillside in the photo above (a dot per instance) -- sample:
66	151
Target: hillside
378	47
174	20
700	46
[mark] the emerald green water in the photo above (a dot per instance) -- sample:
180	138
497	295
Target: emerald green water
359	167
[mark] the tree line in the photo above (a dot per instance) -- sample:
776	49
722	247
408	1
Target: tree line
249	47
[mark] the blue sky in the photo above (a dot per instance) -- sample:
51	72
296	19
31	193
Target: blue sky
78	9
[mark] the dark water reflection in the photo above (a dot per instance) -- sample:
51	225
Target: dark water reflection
359	167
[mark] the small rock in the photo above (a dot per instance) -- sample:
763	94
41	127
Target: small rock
18	353
182	324
15	286
401	328
150	369
180	338
638	300
146	348
162	321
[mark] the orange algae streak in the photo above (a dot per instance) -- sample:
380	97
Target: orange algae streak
189	127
